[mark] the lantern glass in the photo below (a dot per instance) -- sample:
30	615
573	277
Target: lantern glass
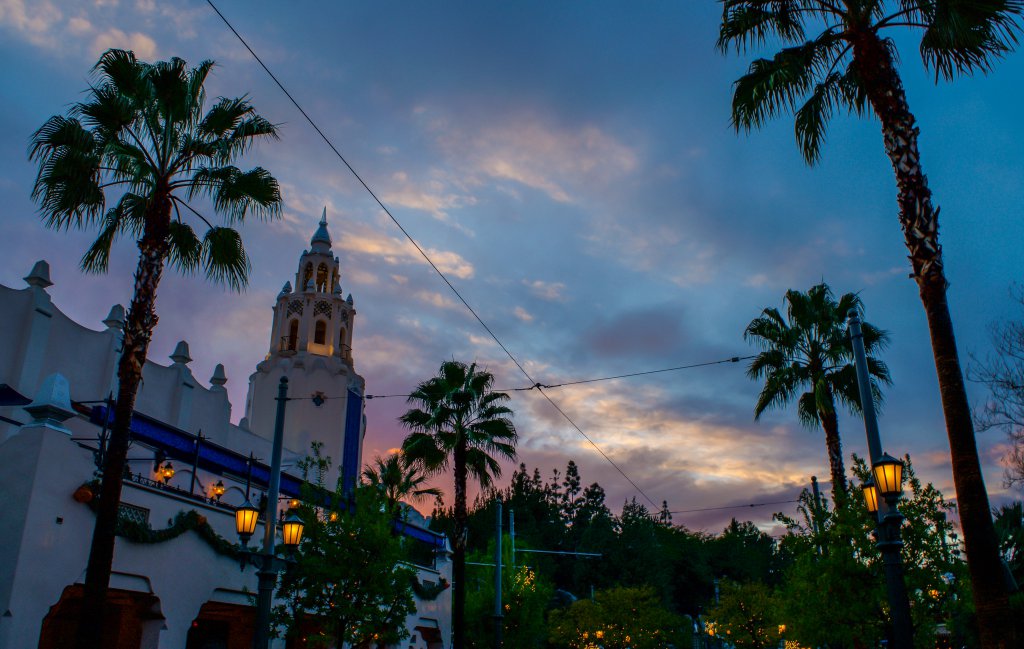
219	489
245	520
870	496
167	472
291	530
888	473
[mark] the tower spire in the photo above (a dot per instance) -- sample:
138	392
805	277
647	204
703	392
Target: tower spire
321	241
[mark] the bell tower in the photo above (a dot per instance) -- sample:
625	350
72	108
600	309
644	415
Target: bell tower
311	344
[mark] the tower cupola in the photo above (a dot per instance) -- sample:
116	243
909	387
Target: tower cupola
313	318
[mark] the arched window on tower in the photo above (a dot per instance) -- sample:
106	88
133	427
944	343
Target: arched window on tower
321	278
306	276
320	333
293	335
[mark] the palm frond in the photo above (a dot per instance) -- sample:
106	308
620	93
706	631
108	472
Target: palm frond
224	258
186	250
772	86
967	36
236	193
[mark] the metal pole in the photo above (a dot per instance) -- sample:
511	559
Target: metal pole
817	511
512	535
499	617
195	463
864	384
889	517
267	574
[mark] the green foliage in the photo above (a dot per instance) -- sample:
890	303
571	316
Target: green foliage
525	598
348	585
806	357
1009	523
834	593
143	130
617	618
397	481
815	76
184	521
745	616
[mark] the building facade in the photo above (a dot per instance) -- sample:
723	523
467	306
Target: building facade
177	580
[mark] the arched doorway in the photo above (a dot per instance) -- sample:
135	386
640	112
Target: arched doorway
222	626
133	620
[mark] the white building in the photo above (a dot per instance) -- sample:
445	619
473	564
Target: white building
186	591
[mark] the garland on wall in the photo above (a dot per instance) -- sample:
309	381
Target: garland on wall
425	592
184	521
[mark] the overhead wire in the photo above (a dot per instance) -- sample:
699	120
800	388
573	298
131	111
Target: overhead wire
714	509
426	257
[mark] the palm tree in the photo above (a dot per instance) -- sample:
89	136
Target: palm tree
811	353
460	422
141	131
397	479
851	65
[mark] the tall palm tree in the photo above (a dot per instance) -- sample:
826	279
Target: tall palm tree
142	132
811	353
849	63
459	421
397	479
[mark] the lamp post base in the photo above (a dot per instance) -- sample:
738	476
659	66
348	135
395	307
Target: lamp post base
890	543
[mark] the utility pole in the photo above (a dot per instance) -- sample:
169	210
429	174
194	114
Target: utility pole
499	616
267	574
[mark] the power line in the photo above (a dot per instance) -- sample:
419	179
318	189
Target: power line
418	248
714	509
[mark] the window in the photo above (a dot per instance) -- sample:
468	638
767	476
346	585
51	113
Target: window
321	278
320	333
293	335
306	276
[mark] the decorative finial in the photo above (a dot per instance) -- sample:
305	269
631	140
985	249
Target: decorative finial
321	241
349	298
337	288
180	355
40	275
219	378
52	404
285	290
115	319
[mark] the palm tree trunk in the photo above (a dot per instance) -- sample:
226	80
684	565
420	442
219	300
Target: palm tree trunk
919	220
139	325
830	424
459	548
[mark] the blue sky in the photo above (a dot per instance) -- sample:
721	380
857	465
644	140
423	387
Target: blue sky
571	166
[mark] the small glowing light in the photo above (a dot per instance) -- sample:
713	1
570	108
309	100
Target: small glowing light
870	496
219	489
167	472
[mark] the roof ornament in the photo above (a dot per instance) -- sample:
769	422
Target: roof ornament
181	355
321	241
40	275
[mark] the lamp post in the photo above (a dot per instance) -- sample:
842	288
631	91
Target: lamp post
268	565
886	485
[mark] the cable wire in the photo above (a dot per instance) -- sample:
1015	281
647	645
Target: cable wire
420	249
714	509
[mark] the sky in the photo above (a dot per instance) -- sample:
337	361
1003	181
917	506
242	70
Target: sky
571	167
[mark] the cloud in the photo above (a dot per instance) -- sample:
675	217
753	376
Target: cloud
565	164
396	251
34	23
143	45
551	291
522	314
433	196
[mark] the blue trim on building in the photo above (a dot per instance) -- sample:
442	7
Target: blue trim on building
180	445
350	445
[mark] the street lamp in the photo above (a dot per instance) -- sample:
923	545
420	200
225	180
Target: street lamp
219	489
291	531
266	562
870	496
167	472
887	473
245	521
